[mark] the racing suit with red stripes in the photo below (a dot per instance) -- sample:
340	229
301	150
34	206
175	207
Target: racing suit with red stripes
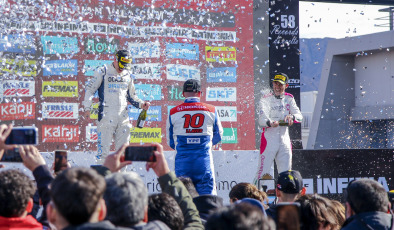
275	141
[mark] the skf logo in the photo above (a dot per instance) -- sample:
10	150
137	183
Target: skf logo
222	94
18	88
60	88
218	54
60	110
91	134
60	133
17	111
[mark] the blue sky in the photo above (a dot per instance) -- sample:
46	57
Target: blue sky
319	20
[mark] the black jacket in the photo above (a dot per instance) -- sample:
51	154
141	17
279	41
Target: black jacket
369	220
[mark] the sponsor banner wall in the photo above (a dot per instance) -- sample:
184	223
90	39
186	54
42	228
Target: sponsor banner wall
222	94
60	89
18	43
153	114
27	68
146	71
227	113
326	172
50	58
91	65
182	72
60	110
222	74
17	111
145	135
229	136
60	67
60	133
182	51
14	88
91	133
145	50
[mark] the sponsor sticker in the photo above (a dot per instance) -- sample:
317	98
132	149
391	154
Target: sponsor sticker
27	68
182	72
60	67
101	45
193	140
222	74
227	113
59	45
222	94
219	54
17	111
175	93
145	135
60	110
146	70
14	88
182	51
153	113
60	88
145	50
90	66
18	43
91	134
60	133
169	108
229	136
148	92
94	111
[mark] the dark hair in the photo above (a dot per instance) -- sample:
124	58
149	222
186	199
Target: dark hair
126	198
76	192
187	181
366	195
164	207
16	189
242	216
315	211
247	190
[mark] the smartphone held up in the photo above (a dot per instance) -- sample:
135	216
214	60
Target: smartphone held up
23	136
140	153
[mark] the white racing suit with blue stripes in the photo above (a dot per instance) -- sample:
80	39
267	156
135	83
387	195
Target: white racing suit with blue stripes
114	90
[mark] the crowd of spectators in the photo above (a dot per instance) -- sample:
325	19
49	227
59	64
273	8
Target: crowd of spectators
106	198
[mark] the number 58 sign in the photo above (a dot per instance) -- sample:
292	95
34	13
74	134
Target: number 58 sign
287	21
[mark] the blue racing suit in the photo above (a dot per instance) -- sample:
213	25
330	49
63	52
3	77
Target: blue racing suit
192	128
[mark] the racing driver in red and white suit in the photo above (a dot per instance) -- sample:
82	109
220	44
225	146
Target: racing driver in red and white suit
278	111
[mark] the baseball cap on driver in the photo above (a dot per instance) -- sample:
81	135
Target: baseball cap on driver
290	181
124	59
281	78
192	85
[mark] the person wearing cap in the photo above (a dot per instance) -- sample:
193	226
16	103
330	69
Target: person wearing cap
115	87
192	129
278	111
289	188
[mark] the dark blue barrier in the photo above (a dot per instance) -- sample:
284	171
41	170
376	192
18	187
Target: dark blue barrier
328	172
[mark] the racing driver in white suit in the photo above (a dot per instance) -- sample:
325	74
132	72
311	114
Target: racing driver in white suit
278	111
115	87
